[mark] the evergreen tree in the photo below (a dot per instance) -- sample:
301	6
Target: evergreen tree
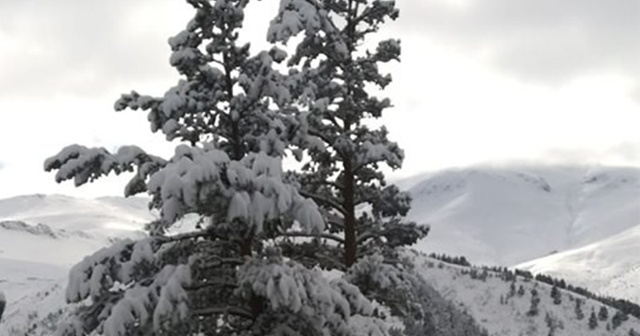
632	332
603	313
617	319
562	284
333	76
226	277
520	291
535	301
578	309
512	290
593	320
556	295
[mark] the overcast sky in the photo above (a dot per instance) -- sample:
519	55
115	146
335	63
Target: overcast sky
481	81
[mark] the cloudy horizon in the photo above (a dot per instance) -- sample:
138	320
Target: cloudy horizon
481	82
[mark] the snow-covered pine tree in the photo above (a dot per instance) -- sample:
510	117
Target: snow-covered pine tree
535	301
603	313
334	74
225	277
556	295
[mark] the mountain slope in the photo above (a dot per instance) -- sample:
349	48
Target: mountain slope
568	221
39	228
609	267
108	216
488	297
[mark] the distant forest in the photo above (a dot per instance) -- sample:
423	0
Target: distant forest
626	307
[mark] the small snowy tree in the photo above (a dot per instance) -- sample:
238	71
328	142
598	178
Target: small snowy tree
535	301
556	295
578	309
226	277
617	319
334	74
593	320
512	289
603	313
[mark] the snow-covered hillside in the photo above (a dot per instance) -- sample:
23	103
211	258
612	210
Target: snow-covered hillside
580	223
506	310
42	236
609	267
107	216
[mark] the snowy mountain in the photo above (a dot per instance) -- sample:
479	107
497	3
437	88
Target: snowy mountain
578	223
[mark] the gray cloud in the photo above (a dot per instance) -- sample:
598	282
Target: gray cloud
79	46
544	41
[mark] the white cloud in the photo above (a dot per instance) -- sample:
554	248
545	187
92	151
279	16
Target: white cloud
481	81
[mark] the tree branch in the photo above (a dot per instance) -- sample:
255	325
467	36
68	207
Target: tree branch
314	235
212	283
367	235
326	201
184	236
217	261
229	310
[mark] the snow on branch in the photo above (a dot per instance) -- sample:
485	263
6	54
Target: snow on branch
146	293
294	17
251	190
379	273
335	306
83	164
375	147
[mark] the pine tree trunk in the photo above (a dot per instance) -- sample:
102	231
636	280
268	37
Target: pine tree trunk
256	303
350	216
